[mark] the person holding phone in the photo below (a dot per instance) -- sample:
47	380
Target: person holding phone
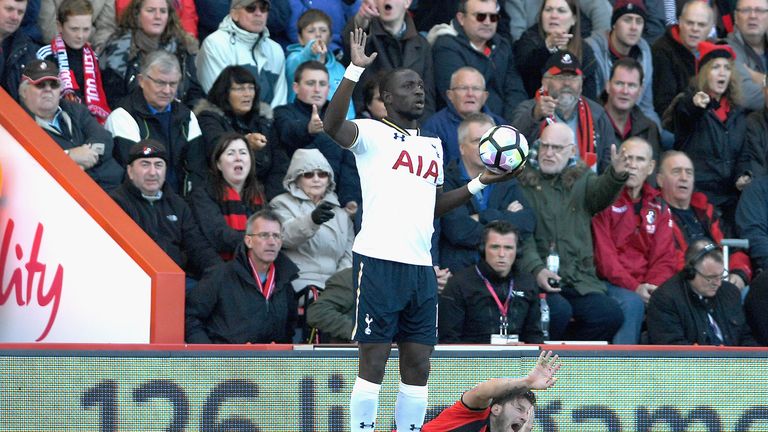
69	124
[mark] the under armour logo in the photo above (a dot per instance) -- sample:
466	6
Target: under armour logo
364	425
401	137
415	428
368	321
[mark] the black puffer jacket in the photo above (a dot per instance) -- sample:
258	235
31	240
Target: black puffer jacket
169	222
228	307
677	316
469	314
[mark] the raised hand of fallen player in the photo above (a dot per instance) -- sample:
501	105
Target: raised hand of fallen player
542	376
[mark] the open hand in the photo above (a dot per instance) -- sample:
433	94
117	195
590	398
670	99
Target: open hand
542	376
358	39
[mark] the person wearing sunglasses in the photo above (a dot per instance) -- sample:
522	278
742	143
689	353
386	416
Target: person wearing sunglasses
474	41
698	306
243	39
298	125
144	27
69	124
317	233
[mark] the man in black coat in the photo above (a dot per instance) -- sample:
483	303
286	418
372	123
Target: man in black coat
489	298
674	54
69	124
250	298
162	214
698	306
16	48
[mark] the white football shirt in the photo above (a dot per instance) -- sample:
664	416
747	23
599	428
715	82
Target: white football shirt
399	173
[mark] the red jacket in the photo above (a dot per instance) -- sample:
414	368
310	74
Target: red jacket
705	214
633	248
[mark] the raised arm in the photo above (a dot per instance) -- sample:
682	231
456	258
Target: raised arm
541	377
335	123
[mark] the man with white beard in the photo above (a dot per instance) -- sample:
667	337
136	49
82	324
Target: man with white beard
559	100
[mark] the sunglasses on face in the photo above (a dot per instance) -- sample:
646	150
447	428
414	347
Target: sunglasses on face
48	83
481	17
263	7
312	174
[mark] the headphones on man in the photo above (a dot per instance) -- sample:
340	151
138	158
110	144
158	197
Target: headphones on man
689	271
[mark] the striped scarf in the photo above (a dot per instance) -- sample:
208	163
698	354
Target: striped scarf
585	136
235	213
95	98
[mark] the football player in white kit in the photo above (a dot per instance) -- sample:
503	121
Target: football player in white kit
401	174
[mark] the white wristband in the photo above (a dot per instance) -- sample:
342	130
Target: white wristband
353	72
475	185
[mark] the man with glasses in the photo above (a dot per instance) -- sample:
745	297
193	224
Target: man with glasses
249	299
151	111
472	40
163	215
698	306
693	217
467	95
69	124
564	194
749	41
243	39
560	101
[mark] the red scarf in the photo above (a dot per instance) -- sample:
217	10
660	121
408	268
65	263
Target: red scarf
234	214
95	98
268	287
585	136
722	111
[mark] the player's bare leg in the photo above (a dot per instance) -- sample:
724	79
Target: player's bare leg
411	405
364	402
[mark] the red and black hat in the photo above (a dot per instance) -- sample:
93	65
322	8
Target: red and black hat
562	61
711	50
623	7
147	148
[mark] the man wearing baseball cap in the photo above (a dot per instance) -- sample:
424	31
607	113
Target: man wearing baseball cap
162	214
625	39
559	100
243	39
69	124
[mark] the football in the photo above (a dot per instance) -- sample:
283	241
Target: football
503	149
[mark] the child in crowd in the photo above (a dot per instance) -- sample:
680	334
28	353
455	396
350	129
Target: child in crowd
314	35
78	65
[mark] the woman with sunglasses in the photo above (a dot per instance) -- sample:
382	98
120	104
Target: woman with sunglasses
233	105
317	233
559	28
231	195
146	26
243	39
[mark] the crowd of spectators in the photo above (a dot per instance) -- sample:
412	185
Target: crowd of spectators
647	121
